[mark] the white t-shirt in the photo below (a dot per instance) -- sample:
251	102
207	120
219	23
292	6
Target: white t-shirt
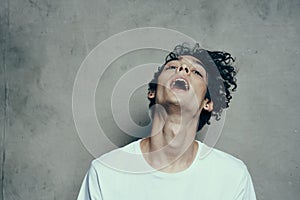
117	176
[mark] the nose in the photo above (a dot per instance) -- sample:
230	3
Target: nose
184	68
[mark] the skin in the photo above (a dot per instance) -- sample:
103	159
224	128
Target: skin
171	146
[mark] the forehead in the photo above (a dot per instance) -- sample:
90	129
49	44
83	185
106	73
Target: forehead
191	60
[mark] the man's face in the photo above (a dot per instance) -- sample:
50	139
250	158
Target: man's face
182	82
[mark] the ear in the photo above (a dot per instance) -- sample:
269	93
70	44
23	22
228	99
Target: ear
208	105
151	94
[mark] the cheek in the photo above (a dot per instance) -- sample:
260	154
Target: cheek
162	79
200	90
160	94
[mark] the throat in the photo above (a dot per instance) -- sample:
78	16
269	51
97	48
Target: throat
169	159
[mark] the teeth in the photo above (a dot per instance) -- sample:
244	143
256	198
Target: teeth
173	84
180	79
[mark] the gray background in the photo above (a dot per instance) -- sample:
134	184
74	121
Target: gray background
43	43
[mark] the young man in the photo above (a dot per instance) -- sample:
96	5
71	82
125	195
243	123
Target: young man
184	94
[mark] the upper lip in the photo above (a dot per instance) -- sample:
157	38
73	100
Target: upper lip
180	78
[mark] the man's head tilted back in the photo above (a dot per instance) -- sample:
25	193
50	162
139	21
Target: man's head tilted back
195	73
191	86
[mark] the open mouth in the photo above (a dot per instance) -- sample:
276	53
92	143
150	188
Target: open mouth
180	83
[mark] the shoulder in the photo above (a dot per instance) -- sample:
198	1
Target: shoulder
120	159
222	162
227	159
130	148
226	173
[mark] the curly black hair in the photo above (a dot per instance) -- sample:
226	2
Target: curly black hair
221	78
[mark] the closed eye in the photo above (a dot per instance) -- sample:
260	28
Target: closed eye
171	67
197	73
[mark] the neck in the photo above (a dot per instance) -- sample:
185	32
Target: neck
172	143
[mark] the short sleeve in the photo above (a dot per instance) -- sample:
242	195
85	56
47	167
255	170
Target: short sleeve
245	189
90	188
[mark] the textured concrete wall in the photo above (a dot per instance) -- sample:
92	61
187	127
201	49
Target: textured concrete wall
43	43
